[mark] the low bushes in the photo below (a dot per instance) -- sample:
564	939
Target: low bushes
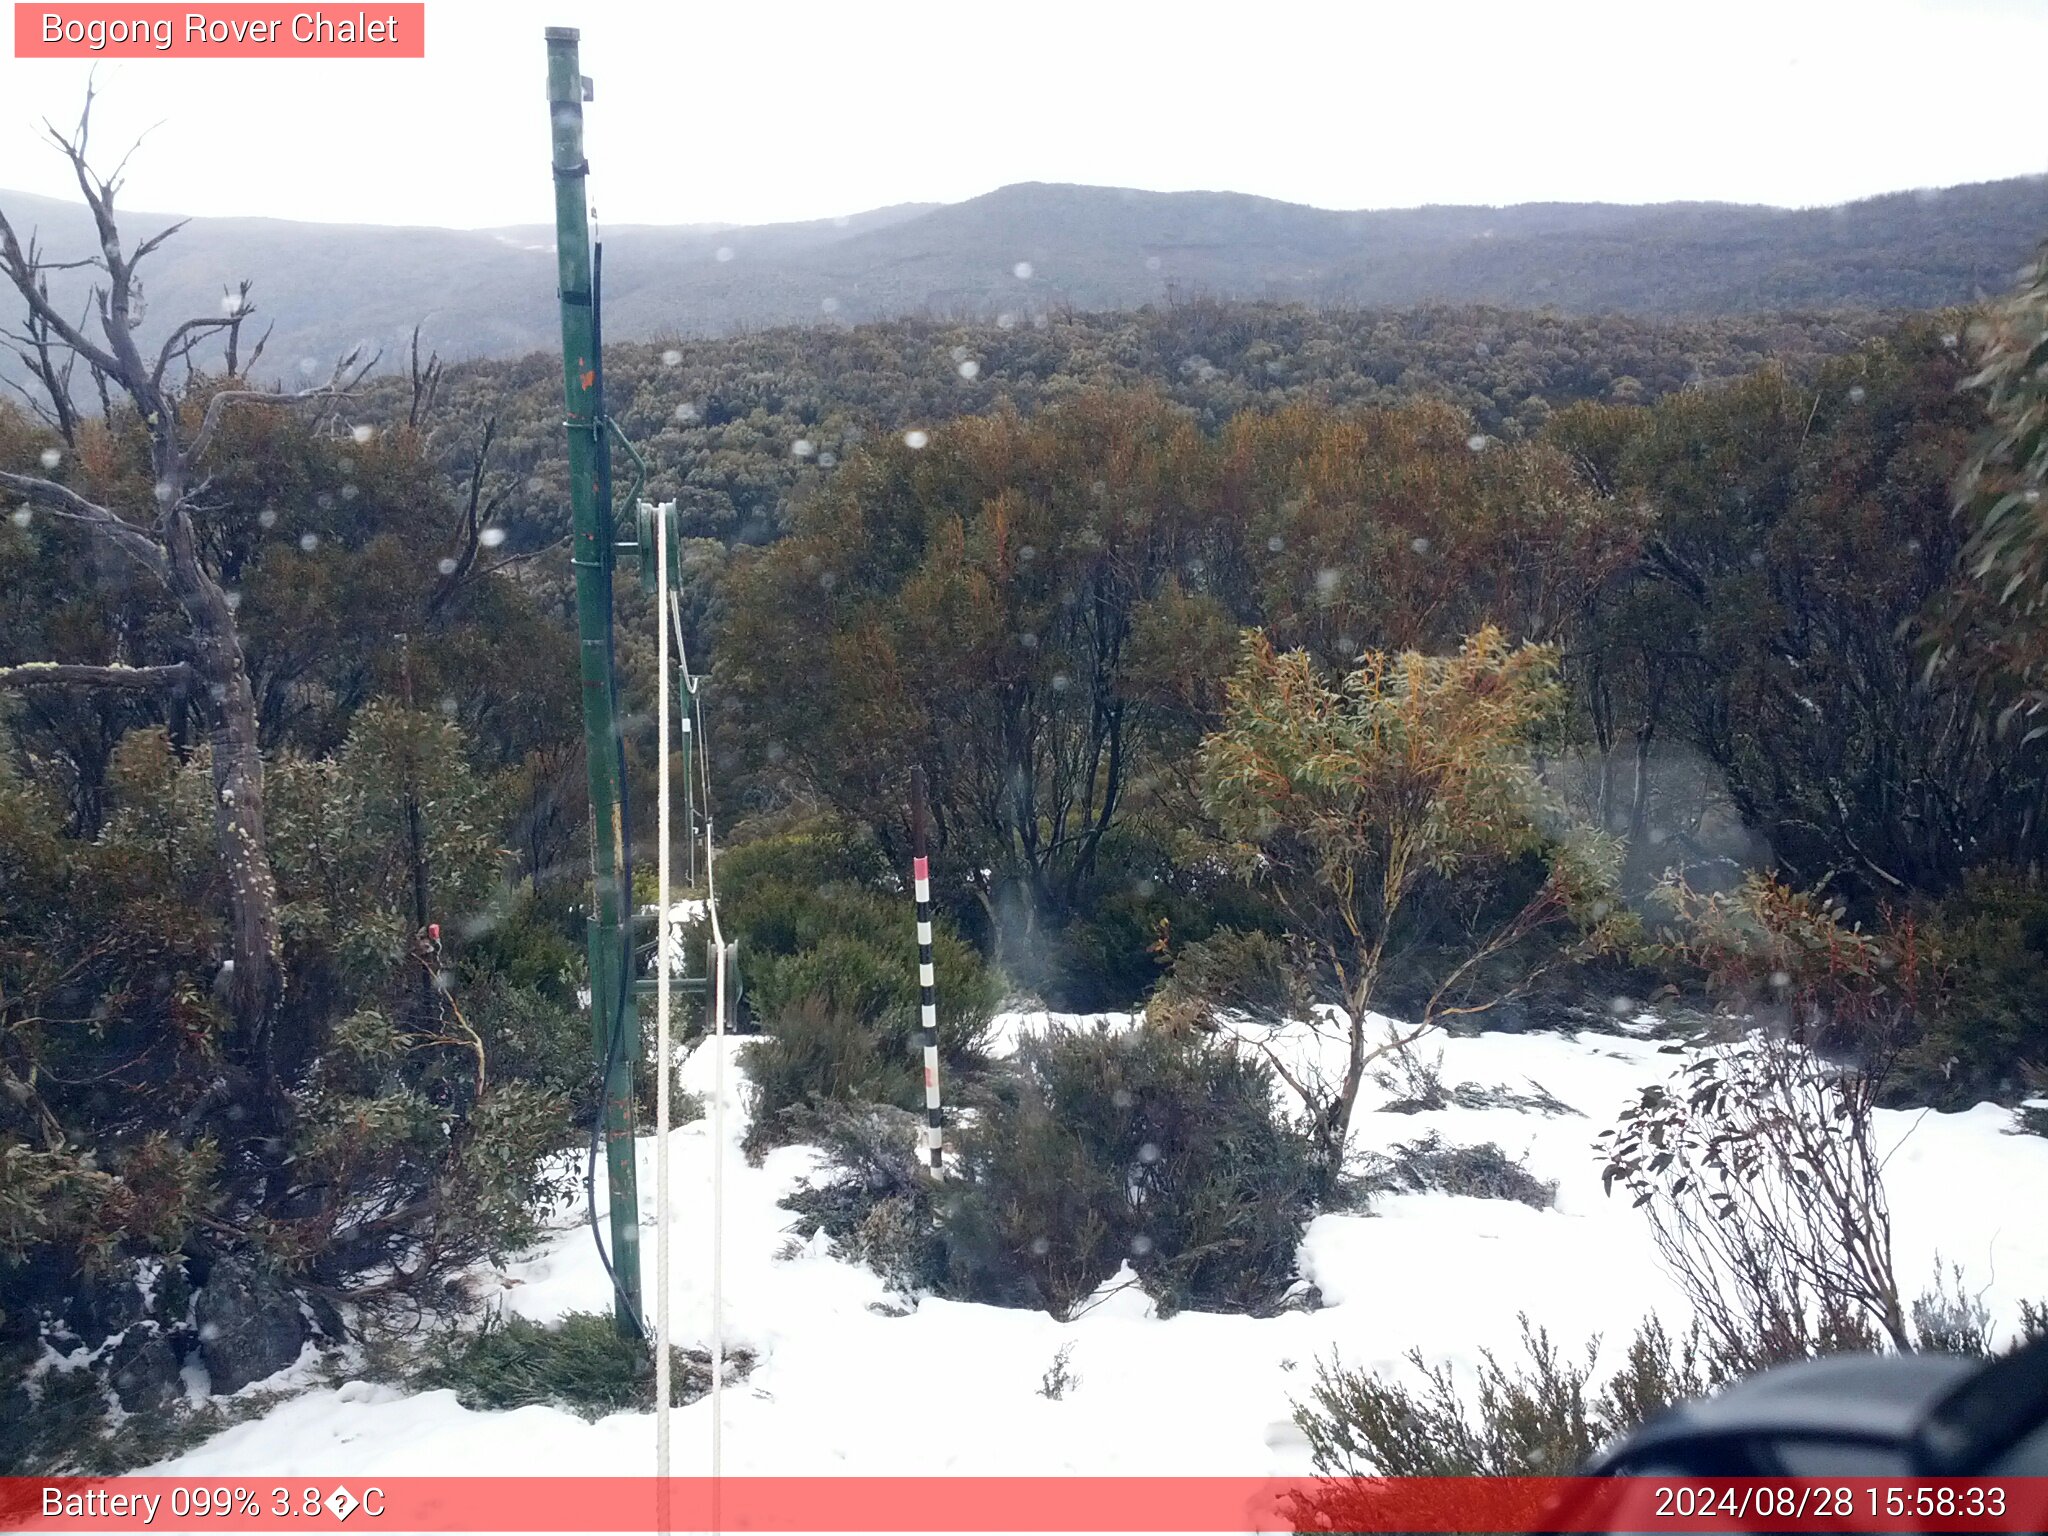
1988	1038
1540	1417
1232	971
580	1364
831	971
1482	1172
1093	1151
1166	1153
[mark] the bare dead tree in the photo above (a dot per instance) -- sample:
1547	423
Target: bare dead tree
49	362
163	539
472	532
426	383
239	309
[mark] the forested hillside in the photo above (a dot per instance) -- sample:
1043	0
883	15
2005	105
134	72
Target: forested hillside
737	429
1611	625
1044	248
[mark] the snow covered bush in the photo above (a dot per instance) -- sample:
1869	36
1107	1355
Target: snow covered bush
1482	1172
879	1205
1167	1153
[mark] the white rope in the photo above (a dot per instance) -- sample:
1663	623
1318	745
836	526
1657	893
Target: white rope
717	1142
718	956
663	1055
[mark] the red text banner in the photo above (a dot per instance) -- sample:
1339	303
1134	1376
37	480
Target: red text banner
1021	1504
224	31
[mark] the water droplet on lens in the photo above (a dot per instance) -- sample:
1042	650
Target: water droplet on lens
309	542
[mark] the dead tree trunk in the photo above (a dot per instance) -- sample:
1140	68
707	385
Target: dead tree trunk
163	539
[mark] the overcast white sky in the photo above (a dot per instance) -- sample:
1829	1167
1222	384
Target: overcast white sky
747	111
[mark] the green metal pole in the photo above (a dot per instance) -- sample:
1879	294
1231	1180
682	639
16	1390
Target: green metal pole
612	1001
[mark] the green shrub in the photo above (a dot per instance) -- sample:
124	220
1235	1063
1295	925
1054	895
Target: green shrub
816	852
811	1054
1991	1029
1167	1152
1233	971
856	950
522	943
830	969
533	1038
580	1364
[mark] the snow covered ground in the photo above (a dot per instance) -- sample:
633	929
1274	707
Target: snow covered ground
841	1387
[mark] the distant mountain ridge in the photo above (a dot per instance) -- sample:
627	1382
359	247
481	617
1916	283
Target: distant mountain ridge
1036	246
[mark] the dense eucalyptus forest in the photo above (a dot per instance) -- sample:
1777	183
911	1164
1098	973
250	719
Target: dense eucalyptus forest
1657	613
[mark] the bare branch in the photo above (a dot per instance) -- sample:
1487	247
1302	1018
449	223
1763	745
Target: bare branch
426	382
341	384
255	353
62	501
154	240
23	272
182	340
49	674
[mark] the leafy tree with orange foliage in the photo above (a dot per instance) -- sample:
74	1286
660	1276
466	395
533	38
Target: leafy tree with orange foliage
1346	798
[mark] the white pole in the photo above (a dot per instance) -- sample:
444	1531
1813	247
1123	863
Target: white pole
717	1172
664	1059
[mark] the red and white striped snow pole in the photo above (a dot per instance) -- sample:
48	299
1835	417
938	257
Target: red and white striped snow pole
921	876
